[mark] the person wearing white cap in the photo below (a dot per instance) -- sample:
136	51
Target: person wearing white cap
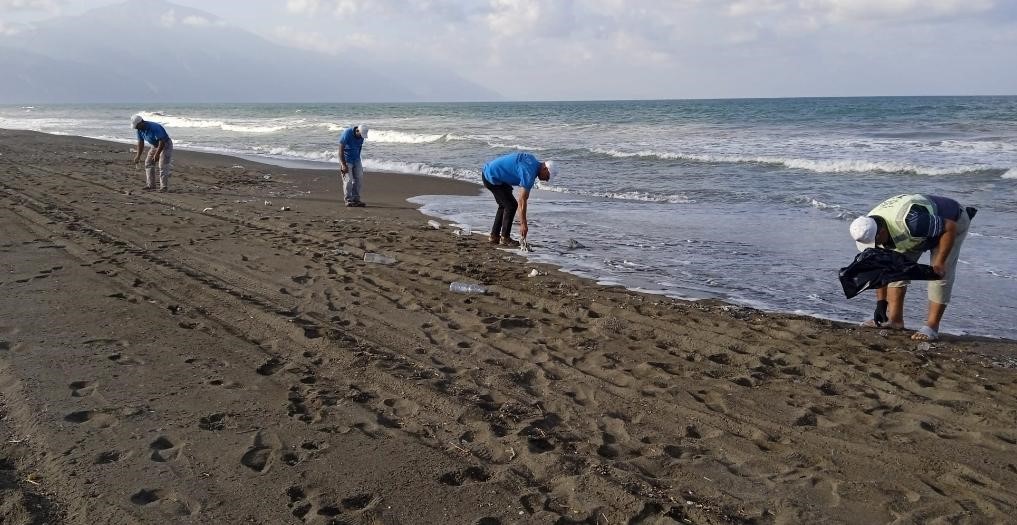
912	225
161	152
500	176
351	168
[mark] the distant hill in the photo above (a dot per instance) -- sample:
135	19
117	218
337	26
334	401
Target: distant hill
113	54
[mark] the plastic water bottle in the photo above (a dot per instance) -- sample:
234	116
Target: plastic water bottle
465	230
434	224
459	287
378	258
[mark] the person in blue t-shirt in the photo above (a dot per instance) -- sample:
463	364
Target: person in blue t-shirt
351	168
160	153
500	175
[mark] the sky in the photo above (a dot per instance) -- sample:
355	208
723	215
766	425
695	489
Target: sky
642	49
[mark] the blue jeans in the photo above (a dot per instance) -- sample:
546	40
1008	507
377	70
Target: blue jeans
353	180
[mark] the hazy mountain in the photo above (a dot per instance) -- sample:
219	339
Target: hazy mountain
155	51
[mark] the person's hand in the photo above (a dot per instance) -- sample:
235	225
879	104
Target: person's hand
940	269
879	316
523	230
343	170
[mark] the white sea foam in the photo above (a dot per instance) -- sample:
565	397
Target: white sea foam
420	168
498	145
172	121
289	153
402	137
820	166
621	195
1010	174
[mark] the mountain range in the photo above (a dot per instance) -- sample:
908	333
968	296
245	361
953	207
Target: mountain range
186	55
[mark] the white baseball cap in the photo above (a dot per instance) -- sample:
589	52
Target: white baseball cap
363	130
552	167
863	231
135	120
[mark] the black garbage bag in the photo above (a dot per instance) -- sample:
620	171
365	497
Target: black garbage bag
878	267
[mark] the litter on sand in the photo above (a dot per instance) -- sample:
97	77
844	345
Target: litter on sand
434	224
206	210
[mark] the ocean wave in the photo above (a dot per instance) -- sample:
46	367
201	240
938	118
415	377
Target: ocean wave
819	166
402	137
289	153
514	146
187	122
621	195
420	168
494	141
837	210
1010	174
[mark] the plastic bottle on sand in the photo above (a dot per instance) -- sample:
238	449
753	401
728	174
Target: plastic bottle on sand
459	287
378	258
434	224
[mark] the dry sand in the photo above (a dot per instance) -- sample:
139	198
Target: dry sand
161	362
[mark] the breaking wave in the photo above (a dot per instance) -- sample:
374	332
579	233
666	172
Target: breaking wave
172	121
819	166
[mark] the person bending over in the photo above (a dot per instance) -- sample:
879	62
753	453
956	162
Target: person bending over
912	225
500	176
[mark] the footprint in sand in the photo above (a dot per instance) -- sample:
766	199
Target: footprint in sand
261	455
402	407
166	500
91	417
270	367
82	388
358	502
213	422
164	449
109	456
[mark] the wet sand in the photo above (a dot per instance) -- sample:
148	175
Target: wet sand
202	356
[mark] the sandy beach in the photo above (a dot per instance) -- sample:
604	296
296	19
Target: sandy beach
223	354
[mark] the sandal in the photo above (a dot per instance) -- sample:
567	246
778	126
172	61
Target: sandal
925	334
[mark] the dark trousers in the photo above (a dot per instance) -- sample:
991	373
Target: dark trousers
507	206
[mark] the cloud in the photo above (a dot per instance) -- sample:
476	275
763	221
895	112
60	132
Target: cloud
669	47
49	6
197	21
11	29
314	41
168	19
849	11
900	10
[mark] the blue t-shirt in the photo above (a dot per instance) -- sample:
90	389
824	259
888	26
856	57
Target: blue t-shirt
152	133
351	144
514	169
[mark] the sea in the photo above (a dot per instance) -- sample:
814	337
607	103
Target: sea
747	201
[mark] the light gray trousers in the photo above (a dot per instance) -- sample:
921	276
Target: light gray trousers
165	166
353	181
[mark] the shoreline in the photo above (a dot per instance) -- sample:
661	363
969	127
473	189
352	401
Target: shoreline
202	356
460	187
